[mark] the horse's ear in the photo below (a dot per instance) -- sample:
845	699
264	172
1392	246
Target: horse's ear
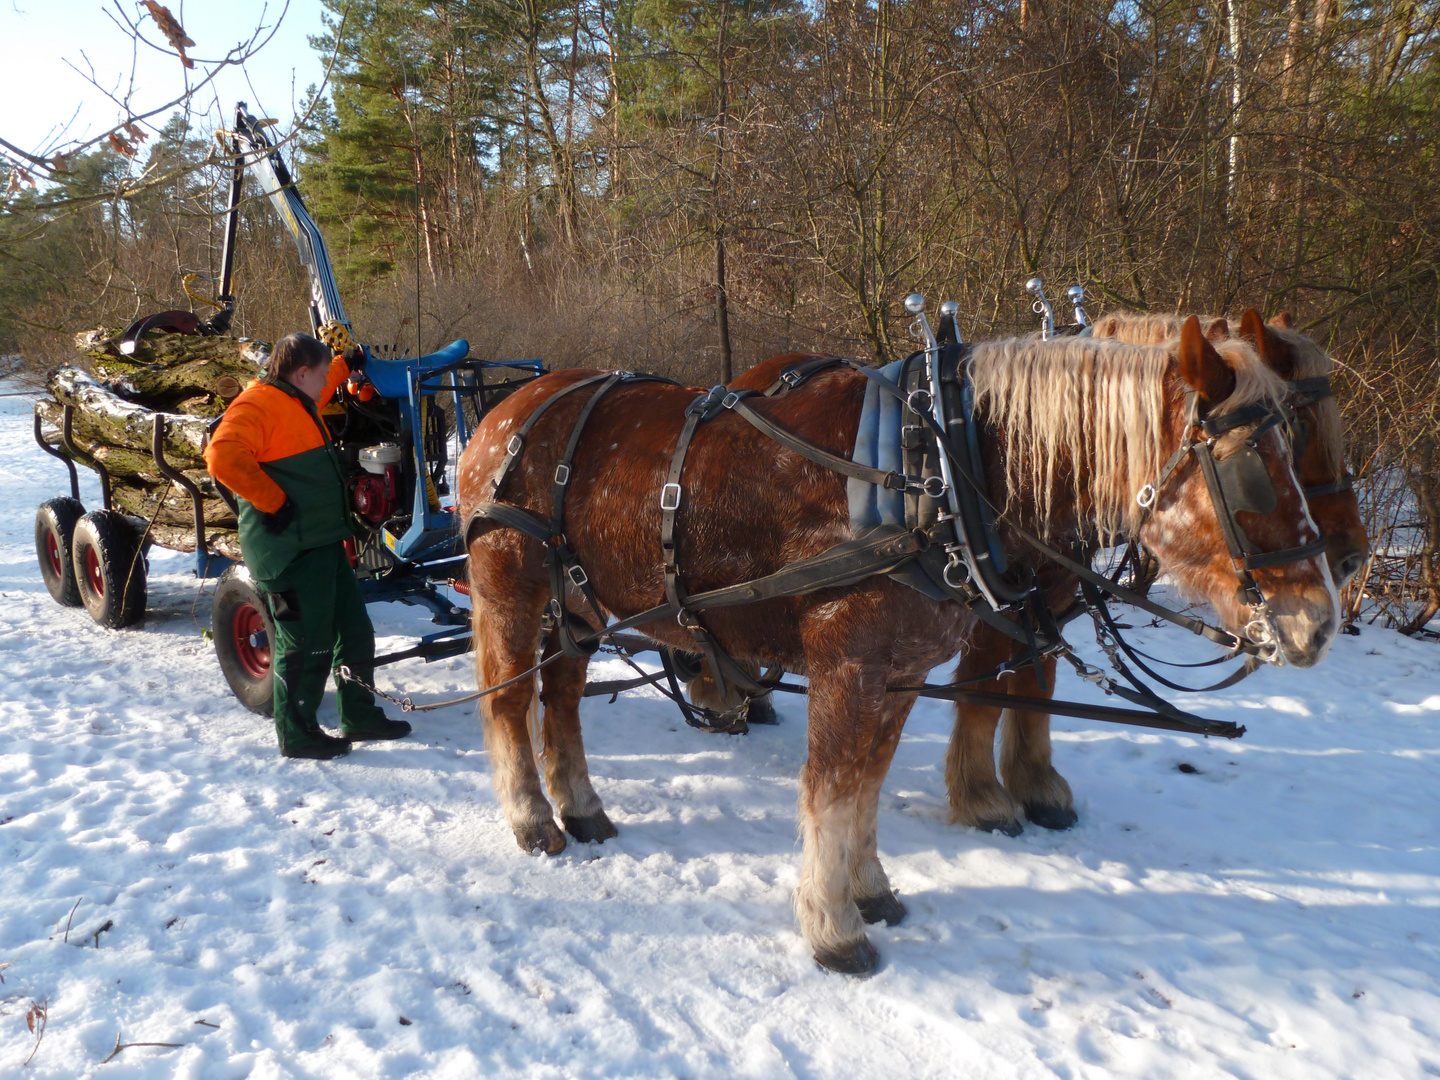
1202	367
1276	353
1283	321
1218	331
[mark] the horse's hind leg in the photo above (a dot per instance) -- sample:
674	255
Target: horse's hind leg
869	883
1025	759
506	623
563	753
976	797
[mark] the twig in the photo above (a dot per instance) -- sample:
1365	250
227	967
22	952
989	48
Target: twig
4	964
36	1020
66	938
109	925
126	1046
208	1024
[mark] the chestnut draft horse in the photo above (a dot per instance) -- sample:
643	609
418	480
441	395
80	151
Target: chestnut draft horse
1074	432
1030	782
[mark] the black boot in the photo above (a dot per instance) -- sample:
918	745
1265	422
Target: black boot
378	728
318	746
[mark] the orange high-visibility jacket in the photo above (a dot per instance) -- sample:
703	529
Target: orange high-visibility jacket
266	424
270	446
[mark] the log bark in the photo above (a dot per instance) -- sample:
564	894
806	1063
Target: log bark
176	372
174	506
102	416
219	542
184	379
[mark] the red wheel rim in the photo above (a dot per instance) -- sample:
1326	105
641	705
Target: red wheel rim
52	553
255	659
92	572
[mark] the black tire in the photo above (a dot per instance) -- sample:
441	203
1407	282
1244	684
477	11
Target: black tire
237	617
109	569
54	535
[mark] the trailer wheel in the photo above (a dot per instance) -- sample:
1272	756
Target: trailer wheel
243	633
109	569
54	535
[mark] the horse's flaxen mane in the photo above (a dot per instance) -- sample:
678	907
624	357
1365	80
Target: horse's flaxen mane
1090	413
1138	328
1312	361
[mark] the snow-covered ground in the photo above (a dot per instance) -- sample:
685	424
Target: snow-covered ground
1272	913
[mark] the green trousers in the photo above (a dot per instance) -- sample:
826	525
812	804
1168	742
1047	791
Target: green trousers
320	624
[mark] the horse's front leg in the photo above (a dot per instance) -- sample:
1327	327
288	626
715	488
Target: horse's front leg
868	881
562	755
846	710
1025	757
976	797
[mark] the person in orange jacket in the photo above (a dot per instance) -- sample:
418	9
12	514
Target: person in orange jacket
274	452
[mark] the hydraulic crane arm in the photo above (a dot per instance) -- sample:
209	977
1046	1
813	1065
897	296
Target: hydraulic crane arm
254	152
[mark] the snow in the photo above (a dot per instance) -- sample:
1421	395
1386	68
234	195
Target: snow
1271	914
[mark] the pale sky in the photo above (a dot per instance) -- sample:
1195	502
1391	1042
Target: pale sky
41	95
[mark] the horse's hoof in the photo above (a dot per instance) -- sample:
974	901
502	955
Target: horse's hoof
858	959
595	829
1058	818
761	712
1008	826
542	839
885	908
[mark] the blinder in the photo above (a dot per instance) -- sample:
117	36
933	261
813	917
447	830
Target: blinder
1246	483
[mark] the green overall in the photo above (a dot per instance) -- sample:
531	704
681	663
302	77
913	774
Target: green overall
320	624
314	599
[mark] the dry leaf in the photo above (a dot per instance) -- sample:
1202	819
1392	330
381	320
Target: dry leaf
61	163
172	30
121	145
135	133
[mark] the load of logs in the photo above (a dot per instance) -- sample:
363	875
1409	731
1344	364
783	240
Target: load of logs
186	380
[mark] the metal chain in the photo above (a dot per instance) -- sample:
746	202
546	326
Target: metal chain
408	705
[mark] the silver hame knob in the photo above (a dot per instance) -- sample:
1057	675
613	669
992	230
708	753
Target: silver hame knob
949	307
1034	285
915	303
1076	293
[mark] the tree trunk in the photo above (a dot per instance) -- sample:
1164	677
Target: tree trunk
718	177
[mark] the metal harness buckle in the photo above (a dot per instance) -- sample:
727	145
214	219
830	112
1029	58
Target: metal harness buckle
562	474
576	573
515	445
670	497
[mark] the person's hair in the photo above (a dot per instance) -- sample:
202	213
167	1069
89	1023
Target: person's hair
296	351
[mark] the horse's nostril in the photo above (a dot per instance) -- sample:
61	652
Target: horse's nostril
1348	567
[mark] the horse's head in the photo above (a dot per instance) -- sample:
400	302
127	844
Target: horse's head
1317	436
1317	439
1228	519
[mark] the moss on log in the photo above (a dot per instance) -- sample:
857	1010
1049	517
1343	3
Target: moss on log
185	373
174	505
104	417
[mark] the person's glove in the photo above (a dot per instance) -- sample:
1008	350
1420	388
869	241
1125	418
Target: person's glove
354	358
280	520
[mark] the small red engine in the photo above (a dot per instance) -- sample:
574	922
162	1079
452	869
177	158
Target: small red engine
375	492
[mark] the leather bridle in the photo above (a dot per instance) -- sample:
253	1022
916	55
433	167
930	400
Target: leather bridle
1237	482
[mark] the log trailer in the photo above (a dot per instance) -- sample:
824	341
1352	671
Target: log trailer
396	445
